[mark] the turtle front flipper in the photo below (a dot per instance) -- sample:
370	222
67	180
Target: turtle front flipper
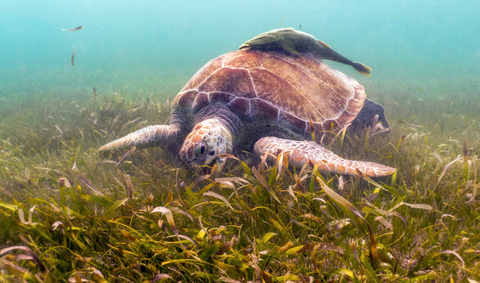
160	135
299	152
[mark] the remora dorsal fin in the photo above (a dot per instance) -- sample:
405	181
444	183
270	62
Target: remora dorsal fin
323	43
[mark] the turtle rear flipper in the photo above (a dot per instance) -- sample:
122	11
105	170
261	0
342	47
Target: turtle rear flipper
299	152
366	117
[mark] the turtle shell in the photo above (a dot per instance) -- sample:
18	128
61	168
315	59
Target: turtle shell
275	89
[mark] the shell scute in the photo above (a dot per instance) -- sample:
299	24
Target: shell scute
234	81
264	112
204	73
307	88
353	105
185	100
200	102
244	60
221	97
288	121
241	107
278	92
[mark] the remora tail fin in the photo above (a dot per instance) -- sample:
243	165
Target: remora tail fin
363	69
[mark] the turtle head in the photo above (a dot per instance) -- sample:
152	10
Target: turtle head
205	142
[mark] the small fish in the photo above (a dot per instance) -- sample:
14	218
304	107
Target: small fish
58	128
94	94
75	29
411	125
281	22
73	56
420	89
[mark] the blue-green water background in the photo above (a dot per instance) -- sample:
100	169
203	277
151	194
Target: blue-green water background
158	45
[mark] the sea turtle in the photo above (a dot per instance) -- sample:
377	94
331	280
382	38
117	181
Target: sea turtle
296	42
266	101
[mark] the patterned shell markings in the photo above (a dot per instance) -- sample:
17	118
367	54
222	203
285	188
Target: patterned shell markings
274	88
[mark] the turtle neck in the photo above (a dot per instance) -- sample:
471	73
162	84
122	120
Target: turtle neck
223	115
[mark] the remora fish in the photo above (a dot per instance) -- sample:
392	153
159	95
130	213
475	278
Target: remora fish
296	42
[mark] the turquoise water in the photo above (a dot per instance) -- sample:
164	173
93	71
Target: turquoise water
158	45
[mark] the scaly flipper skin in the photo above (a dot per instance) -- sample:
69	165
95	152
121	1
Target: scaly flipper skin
299	152
160	135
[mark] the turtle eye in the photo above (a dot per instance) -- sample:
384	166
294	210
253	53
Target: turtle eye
201	149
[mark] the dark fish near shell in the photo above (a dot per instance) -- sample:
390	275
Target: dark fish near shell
297	42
